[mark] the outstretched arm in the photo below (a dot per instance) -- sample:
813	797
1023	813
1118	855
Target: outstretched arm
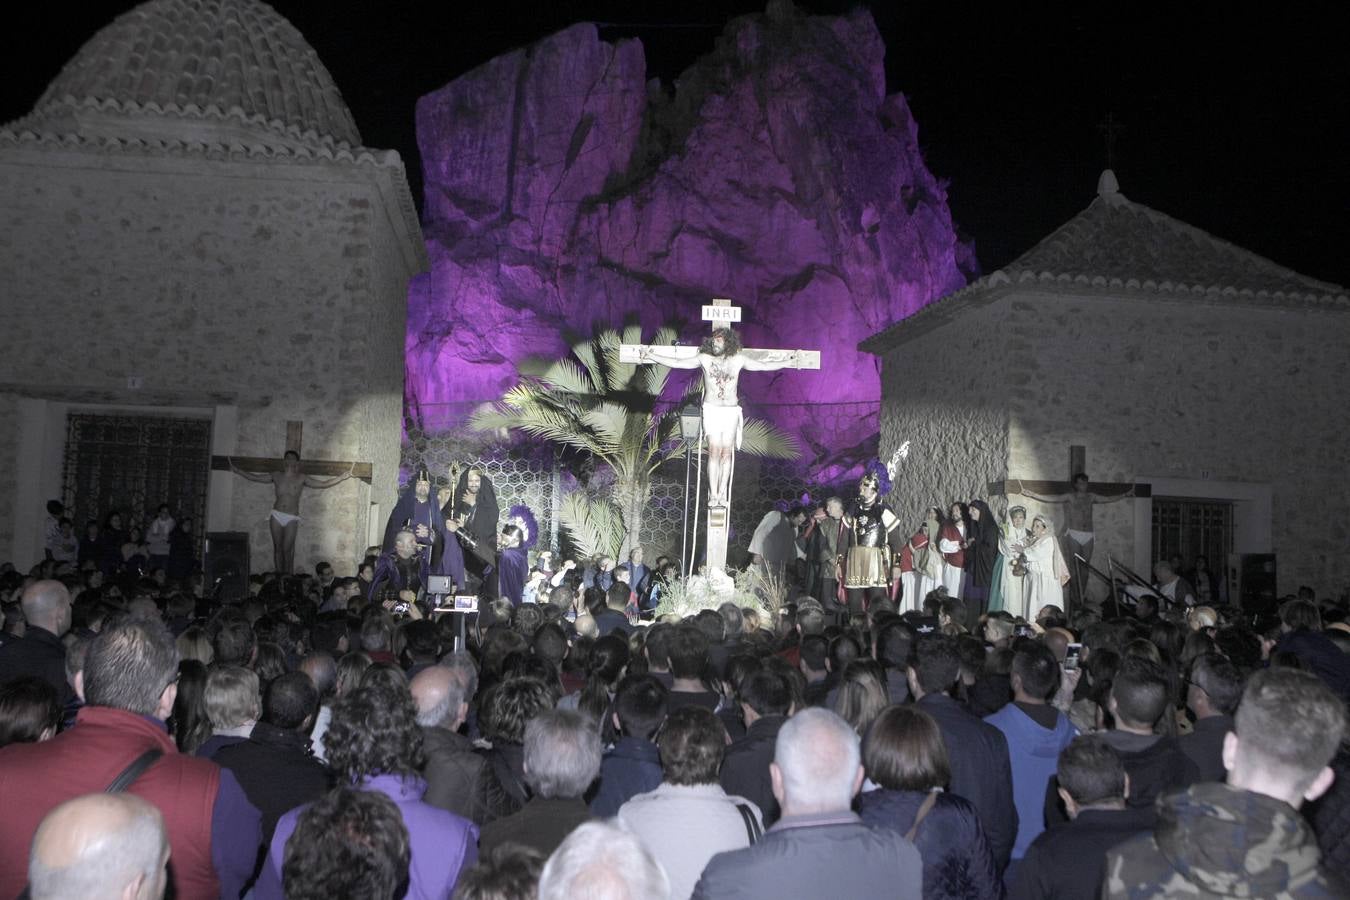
1015	487
771	360
312	482
260	477
1125	494
674	357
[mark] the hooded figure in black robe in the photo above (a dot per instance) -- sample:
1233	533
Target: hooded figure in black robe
474	506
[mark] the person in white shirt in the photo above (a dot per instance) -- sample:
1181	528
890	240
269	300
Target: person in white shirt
689	818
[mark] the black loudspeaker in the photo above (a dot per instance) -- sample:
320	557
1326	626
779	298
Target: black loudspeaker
226	566
1256	583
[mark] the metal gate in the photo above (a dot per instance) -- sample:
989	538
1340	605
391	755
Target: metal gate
131	464
1191	527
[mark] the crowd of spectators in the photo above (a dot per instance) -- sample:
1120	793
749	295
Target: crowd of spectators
302	742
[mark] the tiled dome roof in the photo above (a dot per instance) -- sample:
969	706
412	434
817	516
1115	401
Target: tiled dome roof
230	61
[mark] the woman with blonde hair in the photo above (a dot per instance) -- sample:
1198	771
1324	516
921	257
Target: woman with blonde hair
862	694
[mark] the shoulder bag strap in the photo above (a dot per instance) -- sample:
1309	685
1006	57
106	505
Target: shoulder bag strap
752	828
134	771
928	803
119	784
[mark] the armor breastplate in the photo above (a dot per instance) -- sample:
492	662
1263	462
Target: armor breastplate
868	529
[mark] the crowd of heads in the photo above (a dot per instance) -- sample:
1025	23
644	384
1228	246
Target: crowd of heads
545	679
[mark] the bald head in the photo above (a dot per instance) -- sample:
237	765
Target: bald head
46	604
439	693
817	764
101	847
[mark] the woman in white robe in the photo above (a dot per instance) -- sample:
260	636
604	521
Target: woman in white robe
1047	573
1009	589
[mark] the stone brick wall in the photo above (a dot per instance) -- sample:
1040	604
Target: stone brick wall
945	394
1153	388
274	289
9	446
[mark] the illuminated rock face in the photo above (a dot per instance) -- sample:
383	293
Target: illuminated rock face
564	191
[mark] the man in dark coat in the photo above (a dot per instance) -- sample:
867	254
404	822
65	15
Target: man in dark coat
765	699
1212	694
562	758
1140	696
274	765
632	765
452	767
1067	862
46	610
976	750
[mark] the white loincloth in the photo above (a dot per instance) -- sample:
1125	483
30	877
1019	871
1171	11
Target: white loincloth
723	422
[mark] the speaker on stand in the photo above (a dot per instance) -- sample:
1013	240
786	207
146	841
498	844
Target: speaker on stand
225	567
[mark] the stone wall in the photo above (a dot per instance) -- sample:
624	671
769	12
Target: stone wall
1190	390
946	393
9	448
273	289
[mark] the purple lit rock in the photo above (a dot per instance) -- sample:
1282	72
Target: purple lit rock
564	191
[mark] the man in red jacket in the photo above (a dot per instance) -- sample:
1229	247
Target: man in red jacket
130	682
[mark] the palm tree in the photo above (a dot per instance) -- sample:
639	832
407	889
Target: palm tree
592	402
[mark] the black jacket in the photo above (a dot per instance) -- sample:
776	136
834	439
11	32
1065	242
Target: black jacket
981	770
745	768
500	789
1204	747
452	771
541	824
1155	768
276	772
38	653
1067	862
957	864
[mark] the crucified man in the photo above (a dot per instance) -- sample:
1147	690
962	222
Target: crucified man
722	359
284	519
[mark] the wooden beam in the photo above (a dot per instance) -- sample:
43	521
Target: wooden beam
294	435
323	468
1141	490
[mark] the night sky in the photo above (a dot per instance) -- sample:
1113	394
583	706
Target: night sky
1234	115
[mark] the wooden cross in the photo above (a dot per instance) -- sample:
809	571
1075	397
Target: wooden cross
1077	463
718	376
1058	491
321	467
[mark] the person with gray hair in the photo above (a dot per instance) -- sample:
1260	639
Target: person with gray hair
602	861
234	706
819	847
100	846
130	684
562	759
46	614
442	694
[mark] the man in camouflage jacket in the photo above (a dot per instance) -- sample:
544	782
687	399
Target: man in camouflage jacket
1246	838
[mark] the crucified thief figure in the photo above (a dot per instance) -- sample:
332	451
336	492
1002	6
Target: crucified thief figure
284	519
722	359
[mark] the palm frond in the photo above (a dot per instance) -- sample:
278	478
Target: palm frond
759	438
569	377
594	526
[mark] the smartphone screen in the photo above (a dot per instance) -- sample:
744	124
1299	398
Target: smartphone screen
1071	657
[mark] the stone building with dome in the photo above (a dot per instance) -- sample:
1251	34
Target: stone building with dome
199	259
1170	359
